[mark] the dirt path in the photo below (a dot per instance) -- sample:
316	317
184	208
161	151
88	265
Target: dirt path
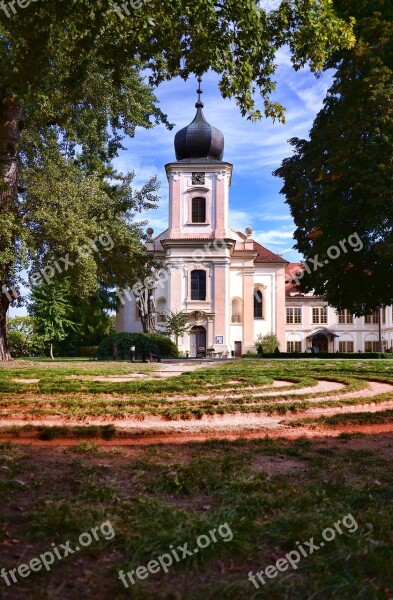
154	429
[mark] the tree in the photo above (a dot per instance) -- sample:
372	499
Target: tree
267	344
50	308
177	324
68	94
23	339
339	183
95	322
147	308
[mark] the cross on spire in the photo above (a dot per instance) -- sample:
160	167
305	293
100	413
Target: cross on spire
199	104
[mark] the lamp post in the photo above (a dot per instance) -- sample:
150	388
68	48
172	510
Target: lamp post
132	354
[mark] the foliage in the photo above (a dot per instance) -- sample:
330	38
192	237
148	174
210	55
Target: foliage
66	107
177	324
50	308
167	348
94	56
124	341
339	182
267	344
320	355
94	322
23	338
145	343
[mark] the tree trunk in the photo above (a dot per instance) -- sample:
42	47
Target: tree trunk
51	352
10	128
145	323
4	349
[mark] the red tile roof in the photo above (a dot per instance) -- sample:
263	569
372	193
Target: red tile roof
264	255
291	270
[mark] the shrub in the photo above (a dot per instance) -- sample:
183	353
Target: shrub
167	348
324	355
267	344
142	342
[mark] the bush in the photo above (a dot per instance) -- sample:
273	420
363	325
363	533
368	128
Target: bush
323	355
145	343
168	349
18	343
267	344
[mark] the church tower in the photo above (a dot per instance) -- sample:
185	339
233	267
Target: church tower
198	241
231	288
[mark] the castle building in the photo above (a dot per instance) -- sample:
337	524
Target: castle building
223	279
231	287
312	324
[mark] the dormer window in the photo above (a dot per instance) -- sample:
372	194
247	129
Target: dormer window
198	210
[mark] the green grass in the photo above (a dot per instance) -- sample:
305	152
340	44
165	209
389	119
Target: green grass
271	493
228	388
361	418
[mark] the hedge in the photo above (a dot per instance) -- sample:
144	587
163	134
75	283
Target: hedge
168	349
145	343
323	355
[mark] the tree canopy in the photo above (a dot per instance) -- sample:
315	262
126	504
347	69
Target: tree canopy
51	309
339	183
75	78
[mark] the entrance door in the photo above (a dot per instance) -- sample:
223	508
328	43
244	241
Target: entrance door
238	349
198	341
321	342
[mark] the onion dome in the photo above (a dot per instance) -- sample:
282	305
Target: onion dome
199	139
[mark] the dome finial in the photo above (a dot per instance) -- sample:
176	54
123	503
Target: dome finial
199	104
199	140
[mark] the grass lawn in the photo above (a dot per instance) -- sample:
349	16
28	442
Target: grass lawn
268	494
254	504
75	390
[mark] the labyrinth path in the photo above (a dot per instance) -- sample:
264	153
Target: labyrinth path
181	402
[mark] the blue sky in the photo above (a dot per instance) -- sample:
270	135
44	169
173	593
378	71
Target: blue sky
254	149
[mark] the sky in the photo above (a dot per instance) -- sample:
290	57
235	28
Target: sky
254	149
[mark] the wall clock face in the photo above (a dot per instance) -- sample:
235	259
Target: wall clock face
198	179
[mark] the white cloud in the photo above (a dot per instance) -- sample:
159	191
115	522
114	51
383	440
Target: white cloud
239	219
273	217
275	237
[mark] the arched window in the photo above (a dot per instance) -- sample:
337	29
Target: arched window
198	210
258	304
198	285
161	310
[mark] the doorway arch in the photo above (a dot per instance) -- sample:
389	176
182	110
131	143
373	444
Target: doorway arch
321	341
198	341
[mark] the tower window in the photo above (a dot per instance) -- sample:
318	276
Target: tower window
198	214
198	285
258	307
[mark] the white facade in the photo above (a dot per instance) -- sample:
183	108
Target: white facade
241	276
339	331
